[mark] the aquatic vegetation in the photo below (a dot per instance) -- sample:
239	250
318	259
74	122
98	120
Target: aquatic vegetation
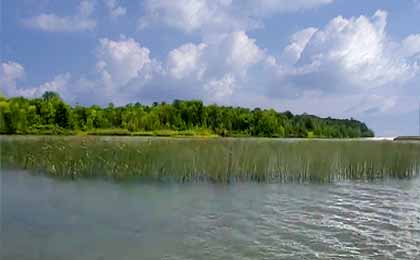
158	133
211	159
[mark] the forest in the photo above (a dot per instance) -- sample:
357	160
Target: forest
50	115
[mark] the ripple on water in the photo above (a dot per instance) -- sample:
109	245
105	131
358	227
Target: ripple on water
48	219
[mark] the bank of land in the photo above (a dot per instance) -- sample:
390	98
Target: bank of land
51	115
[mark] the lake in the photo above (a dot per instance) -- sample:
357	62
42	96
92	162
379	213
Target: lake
49	218
208	198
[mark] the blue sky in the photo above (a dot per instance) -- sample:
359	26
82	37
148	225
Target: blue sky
334	58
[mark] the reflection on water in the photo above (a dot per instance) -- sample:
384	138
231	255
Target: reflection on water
43	218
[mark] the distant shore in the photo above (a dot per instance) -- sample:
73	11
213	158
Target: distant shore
51	115
407	138
199	133
174	134
190	134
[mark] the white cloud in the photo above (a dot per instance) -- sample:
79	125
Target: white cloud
192	15
186	60
350	54
411	46
233	53
374	104
86	8
266	7
298	42
213	70
123	68
122	60
218	90
59	84
10	73
353	55
114	9
50	22
242	52
54	23
210	16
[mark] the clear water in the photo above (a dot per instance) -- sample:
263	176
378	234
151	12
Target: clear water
44	218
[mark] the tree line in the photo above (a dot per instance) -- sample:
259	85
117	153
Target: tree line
51	115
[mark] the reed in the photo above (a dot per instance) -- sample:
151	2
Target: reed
157	133
221	160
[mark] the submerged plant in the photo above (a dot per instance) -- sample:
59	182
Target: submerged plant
215	159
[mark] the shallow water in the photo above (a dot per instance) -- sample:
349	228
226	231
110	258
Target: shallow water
221	160
44	218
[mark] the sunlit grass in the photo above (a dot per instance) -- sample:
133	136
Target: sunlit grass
157	133
211	159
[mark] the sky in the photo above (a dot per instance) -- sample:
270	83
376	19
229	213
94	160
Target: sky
335	58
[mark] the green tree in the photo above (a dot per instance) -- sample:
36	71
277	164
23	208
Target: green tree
21	115
62	115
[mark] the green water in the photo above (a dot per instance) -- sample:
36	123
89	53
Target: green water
47	218
133	198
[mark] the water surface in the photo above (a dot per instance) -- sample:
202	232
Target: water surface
45	218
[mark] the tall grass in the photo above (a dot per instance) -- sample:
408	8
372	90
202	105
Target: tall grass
211	159
157	133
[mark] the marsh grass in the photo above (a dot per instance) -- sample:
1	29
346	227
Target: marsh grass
156	133
222	160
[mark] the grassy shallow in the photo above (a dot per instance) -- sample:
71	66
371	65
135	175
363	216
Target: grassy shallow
210	159
57	131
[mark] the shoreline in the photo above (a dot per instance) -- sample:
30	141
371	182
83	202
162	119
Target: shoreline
407	138
196	136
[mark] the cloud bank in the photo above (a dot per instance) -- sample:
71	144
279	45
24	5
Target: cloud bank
350	63
211	16
49	22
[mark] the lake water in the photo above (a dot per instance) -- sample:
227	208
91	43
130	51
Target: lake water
44	218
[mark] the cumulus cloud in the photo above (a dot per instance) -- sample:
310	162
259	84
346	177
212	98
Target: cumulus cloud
192	15
123	67
411	46
216	68
114	9
121	61
298	42
266	7
218	90
242	51
187	60
211	70
351	63
349	54
50	22
11	72
218	15
59	84
54	23
86	8
374	104
233	53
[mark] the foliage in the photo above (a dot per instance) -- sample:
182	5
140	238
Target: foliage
211	159
51	115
